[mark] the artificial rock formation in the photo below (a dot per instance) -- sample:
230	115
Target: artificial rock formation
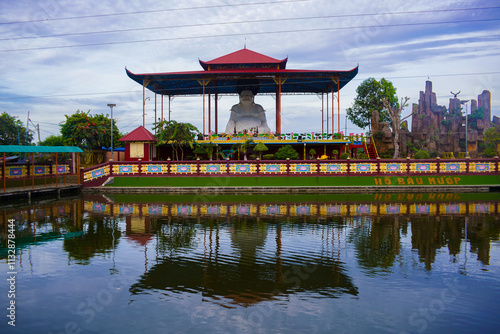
435	128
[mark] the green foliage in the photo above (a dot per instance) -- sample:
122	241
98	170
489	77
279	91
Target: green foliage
312	151
268	156
389	154
379	135
490	152
260	147
362	156
422	155
53	140
177	134
9	134
344	156
474	116
88	131
285	152
369	98
492	136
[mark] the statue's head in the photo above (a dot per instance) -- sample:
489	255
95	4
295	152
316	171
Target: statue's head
246	97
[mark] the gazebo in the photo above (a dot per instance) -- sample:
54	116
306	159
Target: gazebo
219	77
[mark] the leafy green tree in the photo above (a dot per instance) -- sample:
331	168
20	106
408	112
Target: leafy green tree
370	96
285	152
492	135
91	132
260	147
177	134
492	140
53	140
13	132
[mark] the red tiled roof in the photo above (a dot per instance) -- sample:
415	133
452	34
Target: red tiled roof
139	134
244	56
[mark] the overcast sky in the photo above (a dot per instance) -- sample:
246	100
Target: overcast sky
58	56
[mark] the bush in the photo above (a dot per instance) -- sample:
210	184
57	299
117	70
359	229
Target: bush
268	156
286	152
363	156
433	154
490	152
344	156
422	155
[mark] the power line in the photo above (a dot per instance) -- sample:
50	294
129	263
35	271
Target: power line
253	33
151	11
243	22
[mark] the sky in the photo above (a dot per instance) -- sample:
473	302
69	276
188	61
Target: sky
60	56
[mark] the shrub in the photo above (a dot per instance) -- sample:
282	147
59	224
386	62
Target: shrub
490	152
422	155
362	156
268	156
286	152
344	156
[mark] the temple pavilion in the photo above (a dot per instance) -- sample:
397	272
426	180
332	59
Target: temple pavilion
222	75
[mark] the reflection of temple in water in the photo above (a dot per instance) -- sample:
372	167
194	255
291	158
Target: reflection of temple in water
253	230
250	273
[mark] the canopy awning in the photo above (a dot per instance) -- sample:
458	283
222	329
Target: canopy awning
225	82
39	149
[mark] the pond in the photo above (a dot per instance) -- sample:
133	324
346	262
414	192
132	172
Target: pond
317	263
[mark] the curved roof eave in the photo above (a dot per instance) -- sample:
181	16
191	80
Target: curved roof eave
224	81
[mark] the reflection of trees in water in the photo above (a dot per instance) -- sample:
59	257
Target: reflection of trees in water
481	231
377	241
175	235
99	237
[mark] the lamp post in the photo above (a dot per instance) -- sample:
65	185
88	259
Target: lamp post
111	106
466	127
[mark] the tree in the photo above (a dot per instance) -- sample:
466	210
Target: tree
286	152
13	132
53	140
177	134
91	132
260	147
394	113
492	139
370	95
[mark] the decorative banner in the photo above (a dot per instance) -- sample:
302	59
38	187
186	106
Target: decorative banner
98	207
126	210
125	169
155	210
242	168
482	167
453	167
98	173
363	209
393	209
213	209
423	209
184	210
183	168
333	209
16	171
302	168
154	169
363	168
481	208
273	210
243	210
213	169
303	209
274	168
452	208
40	170
61	169
336	168
391	167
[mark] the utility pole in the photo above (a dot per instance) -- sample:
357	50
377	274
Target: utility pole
111	106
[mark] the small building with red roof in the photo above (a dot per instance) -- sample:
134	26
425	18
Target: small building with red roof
139	145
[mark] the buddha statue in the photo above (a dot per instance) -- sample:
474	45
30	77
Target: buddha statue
246	115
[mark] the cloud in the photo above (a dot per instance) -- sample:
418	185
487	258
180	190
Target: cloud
58	81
